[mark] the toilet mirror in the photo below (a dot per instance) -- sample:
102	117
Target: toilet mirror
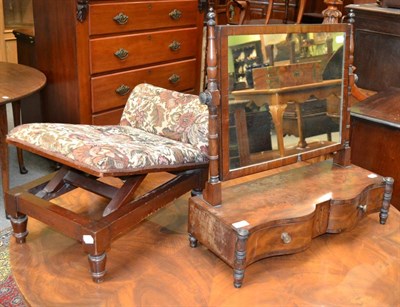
283	91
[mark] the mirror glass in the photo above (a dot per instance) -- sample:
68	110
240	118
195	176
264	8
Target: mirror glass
285	95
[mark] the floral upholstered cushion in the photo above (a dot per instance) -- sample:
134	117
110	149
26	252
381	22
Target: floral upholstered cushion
158	129
105	148
167	113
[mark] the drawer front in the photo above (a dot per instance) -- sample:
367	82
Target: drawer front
113	90
127	17
142	49
345	214
286	238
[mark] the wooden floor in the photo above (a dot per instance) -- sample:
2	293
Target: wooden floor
153	265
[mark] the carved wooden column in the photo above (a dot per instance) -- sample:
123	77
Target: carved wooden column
211	97
332	14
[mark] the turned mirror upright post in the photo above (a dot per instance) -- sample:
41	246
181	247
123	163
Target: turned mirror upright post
278	99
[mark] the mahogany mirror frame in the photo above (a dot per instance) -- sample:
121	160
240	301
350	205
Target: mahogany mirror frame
216	97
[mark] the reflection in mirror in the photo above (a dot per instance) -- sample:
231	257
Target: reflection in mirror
284	94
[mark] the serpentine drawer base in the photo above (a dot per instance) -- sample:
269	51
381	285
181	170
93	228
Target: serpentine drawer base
281	214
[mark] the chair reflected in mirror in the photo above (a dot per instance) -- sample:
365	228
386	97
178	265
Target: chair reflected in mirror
236	11
276	12
239	12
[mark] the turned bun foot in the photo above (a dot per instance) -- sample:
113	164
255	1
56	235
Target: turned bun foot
19	225
238	276
20	238
98	267
193	241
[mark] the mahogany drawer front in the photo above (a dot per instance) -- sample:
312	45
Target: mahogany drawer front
285	238
344	215
127	51
112	117
111	91
123	17
374	200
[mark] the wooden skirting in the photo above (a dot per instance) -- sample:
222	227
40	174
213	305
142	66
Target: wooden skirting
153	265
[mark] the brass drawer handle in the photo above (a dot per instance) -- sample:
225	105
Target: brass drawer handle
174	78
175	14
121	19
286	238
121	53
175	46
123	90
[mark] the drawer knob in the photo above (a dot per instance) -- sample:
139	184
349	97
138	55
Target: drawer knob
363	208
174	78
286	238
121	53
175	46
175	14
121	19
123	90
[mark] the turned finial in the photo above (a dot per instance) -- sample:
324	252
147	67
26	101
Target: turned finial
211	17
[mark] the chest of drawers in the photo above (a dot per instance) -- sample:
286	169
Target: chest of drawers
94	52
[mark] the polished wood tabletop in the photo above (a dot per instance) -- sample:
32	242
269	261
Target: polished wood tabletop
16	82
153	265
383	108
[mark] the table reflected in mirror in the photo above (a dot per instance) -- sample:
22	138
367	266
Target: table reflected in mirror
285	94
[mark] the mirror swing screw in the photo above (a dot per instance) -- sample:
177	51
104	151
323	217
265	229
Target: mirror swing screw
205	97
